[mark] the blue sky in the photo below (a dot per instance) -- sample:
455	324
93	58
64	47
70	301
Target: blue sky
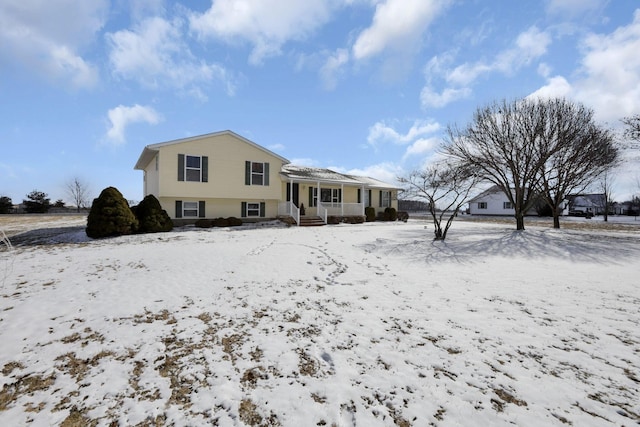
364	86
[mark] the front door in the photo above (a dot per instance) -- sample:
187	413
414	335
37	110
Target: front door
296	195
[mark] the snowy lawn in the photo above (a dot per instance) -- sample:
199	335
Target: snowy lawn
367	325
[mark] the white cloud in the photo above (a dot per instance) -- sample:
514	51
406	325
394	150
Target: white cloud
387	171
609	77
265	24
381	133
122	116
421	147
155	55
397	24
528	46
430	98
47	37
333	67
572	8
556	87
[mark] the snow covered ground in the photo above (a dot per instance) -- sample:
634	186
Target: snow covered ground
367	325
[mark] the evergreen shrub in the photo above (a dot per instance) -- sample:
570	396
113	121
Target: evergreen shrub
151	217
370	213
110	215
390	214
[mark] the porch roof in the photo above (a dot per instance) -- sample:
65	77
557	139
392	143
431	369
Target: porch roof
309	174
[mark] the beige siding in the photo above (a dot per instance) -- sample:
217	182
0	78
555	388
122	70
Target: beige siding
226	156
152	176
225	188
221	208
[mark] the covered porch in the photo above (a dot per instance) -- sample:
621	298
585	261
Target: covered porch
312	192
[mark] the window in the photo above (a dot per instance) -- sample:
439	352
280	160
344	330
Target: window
330	196
190	209
253	209
256	173
385	199
192	168
482	205
507	205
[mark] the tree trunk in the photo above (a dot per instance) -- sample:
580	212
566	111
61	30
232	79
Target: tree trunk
519	221
556	220
438	233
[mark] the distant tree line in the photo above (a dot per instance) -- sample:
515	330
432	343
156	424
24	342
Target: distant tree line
39	202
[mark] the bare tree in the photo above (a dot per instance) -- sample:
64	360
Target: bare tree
533	149
502	144
78	191
605	186
446	187
633	127
577	152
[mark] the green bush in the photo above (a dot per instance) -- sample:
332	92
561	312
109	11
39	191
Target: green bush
390	214
234	222
220	222
204	223
110	215
370	213
331	219
151	217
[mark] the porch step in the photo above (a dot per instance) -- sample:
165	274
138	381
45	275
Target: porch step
311	221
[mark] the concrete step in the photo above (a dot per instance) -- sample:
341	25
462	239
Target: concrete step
311	221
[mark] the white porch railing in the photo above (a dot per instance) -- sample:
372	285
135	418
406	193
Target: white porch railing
288	208
322	212
345	209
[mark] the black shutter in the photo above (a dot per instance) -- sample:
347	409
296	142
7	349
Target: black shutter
370	198
263	207
243	214
380	200
340	195
310	196
205	169
178	208
247	173
180	167
266	174
201	211
359	195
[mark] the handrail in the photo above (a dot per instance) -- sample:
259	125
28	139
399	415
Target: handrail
322	212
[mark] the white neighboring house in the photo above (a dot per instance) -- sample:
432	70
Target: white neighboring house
493	201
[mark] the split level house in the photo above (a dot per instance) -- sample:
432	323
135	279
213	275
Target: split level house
223	174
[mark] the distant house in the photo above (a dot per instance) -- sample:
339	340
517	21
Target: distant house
223	174
493	201
582	204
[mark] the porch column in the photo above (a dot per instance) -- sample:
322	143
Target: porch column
341	199
362	199
290	197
